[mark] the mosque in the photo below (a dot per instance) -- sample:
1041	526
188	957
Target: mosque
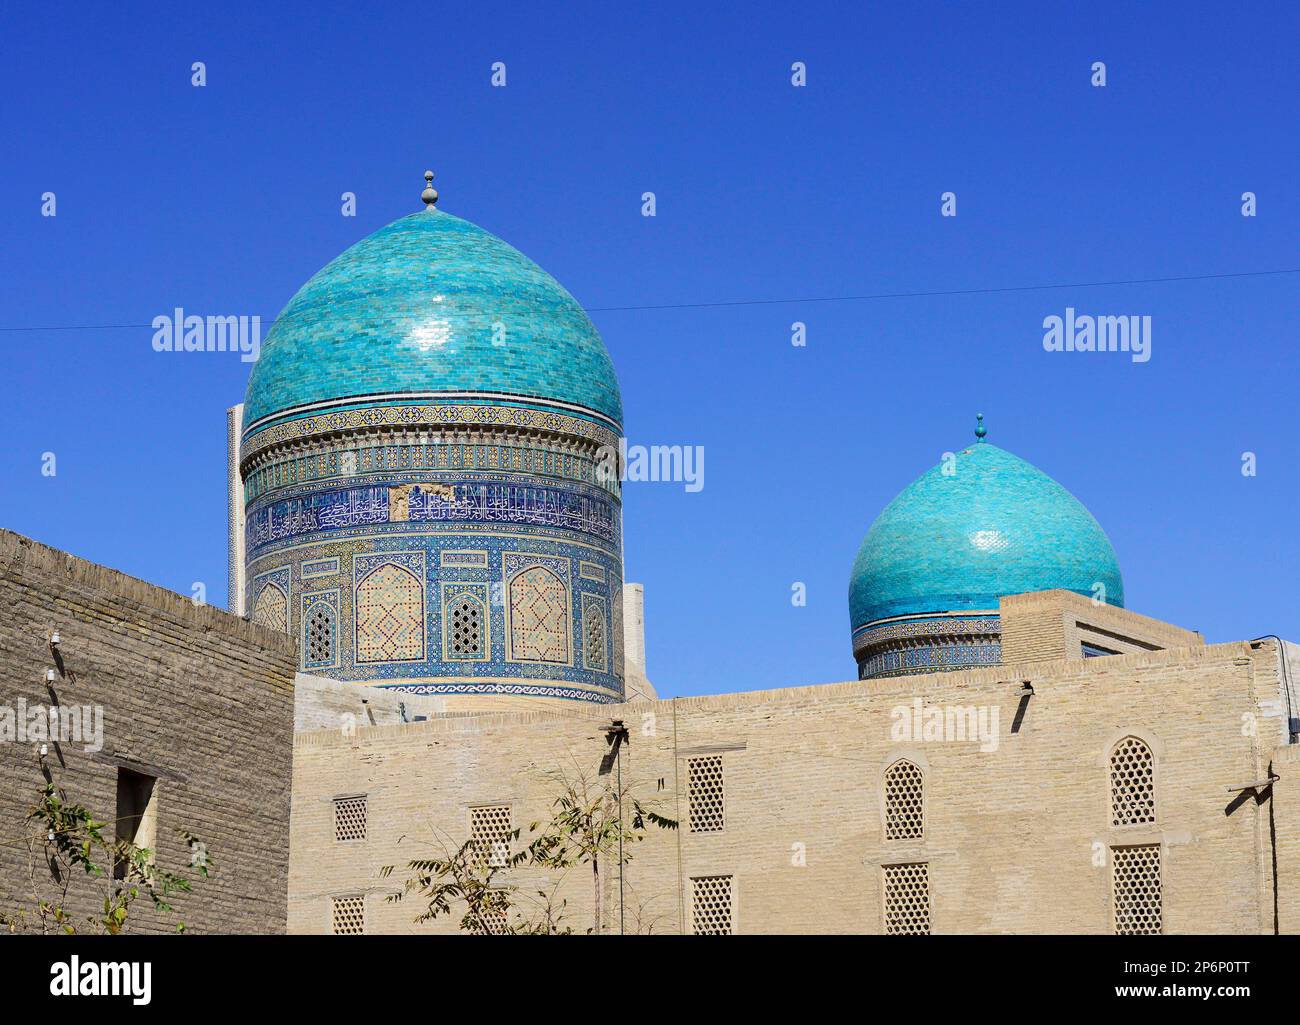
416	494
416	499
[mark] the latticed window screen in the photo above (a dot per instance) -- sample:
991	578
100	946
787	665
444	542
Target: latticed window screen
467	631
1137	890
907	899
489	829
494	923
705	794
320	635
349	916
594	631
904	801
711	905
350	818
1132	784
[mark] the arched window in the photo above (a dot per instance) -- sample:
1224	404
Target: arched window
1132	783
466	630
594	634
539	617
390	616
271	609
904	801
318	636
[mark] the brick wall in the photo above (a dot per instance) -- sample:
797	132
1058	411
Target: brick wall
1017	840
1046	625
324	704
197	697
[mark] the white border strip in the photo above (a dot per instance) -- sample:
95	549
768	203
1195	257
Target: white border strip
446	396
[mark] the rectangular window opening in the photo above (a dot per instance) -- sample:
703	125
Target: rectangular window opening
137	815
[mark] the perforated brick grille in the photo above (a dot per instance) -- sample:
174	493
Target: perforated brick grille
489	829
349	915
467	633
904	801
1137	890
711	905
1132	784
705	794
494	923
349	818
907	899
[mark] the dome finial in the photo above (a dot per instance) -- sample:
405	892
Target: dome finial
430	194
980	429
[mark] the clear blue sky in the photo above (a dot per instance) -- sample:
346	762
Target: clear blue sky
225	199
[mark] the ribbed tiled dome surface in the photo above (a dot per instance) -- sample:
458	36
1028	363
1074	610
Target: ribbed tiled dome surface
997	526
431	303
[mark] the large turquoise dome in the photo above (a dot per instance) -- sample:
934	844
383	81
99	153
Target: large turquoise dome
432	309
991	525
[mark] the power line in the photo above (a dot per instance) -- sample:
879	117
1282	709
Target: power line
722	303
954	291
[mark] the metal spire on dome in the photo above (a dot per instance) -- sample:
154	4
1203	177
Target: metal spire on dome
430	194
980	429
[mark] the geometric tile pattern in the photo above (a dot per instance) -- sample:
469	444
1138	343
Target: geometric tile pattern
506	555
511	449
271	608
503	419
478	560
541	689
1132	784
390	615
400	448
711	905
940	644
320	568
594	655
539	617
904	801
616	589
1137	890
907	899
705	794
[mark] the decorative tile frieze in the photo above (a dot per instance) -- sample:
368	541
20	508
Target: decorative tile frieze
256	441
938	644
430	502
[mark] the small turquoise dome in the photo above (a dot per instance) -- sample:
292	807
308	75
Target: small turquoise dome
431	308
993	525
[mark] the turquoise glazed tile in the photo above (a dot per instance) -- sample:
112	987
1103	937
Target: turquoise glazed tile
431	304
996	526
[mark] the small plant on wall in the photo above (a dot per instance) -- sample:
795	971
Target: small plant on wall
66	842
593	823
